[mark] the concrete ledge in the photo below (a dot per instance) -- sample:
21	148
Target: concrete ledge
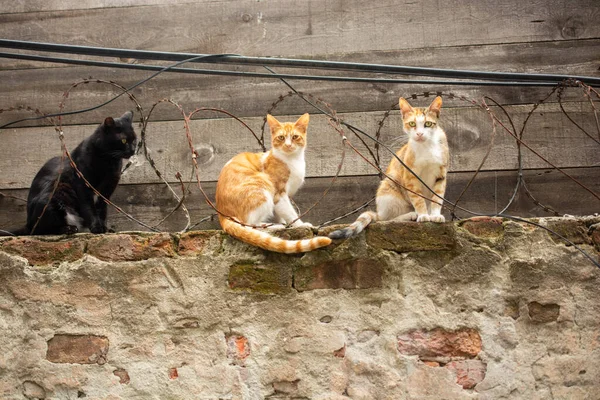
483	308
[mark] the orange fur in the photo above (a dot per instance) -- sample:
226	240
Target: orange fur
426	154
255	189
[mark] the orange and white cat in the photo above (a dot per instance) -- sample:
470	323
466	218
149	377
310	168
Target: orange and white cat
426	153
255	189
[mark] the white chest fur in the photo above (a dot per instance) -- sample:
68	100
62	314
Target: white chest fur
430	153
429	157
297	167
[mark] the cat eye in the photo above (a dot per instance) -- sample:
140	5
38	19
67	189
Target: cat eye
412	124
428	124
281	137
296	137
123	140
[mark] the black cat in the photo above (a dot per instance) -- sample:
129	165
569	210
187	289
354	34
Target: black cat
74	206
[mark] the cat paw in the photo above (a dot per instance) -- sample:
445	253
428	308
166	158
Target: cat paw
70	230
98	229
437	218
424	218
412	216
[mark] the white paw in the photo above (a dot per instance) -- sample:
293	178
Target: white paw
424	218
300	224
412	216
437	218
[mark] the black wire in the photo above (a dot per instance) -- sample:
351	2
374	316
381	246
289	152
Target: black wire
146	67
287	62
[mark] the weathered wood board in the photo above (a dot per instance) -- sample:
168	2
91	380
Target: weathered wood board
312	28
43	87
469	131
489	193
56	5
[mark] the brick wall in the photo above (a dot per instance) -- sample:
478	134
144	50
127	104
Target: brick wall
482	309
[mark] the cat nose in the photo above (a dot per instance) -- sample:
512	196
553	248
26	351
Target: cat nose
419	134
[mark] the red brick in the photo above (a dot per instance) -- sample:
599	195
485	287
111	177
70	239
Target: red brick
543	313
173	374
438	342
432	364
43	252
77	349
192	243
468	372
131	247
123	375
340	274
340	353
238	349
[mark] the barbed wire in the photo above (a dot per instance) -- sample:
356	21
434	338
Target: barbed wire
338	125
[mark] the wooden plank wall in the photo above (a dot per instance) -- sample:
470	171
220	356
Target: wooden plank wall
551	36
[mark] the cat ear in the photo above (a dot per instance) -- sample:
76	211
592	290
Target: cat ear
109	122
273	123
435	106
405	108
302	123
128	116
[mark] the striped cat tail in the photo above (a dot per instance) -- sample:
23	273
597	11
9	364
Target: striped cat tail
265	241
357	227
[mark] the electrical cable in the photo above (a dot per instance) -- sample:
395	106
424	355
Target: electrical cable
287	62
146	67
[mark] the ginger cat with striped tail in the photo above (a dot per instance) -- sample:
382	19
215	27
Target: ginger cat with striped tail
426	154
255	189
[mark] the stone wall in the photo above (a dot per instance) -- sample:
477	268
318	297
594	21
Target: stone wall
480	309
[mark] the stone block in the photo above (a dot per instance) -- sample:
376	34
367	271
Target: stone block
340	274
287	387
405	237
131	247
260	278
596	238
32	390
428	344
42	251
77	349
572	229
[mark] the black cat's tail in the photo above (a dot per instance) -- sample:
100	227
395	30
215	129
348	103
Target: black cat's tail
15	232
